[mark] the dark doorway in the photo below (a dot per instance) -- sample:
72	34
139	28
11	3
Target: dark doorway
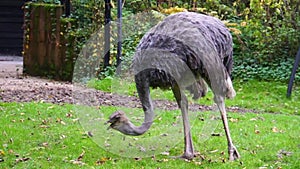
11	22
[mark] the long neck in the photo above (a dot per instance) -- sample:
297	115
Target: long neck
129	128
142	85
133	130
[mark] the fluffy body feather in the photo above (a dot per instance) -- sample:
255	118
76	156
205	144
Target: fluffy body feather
185	51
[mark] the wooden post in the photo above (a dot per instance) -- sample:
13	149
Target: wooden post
44	44
41	36
295	67
67	6
119	47
57	43
107	33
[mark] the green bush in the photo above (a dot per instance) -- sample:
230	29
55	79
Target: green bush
265	49
248	68
47	1
269	41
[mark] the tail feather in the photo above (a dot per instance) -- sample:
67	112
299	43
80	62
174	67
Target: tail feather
198	89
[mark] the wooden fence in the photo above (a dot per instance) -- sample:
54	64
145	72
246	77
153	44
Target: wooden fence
45	44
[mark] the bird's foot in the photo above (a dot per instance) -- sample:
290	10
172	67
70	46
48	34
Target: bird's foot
185	156
233	153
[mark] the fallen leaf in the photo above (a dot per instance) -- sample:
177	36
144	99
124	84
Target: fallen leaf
62	137
263	167
90	134
282	153
81	156
4	133
77	162
216	134
259	146
45	144
44	121
50	107
44	126
197	163
275	130
165	153
138	158
102	160
2	153
62	122
214	151
69	115
142	149
233	120
22	159
186	160
153	157
75	120
59	120
201	118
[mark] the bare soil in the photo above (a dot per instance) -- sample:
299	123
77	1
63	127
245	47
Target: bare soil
16	87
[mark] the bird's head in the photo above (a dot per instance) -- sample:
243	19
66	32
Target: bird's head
117	120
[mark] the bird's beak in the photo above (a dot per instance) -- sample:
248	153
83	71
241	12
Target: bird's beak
108	122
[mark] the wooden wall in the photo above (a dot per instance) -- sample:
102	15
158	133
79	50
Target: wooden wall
11	22
47	42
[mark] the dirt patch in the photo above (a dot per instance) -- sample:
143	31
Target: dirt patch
15	87
30	89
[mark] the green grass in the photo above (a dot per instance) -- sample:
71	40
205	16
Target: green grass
50	136
256	95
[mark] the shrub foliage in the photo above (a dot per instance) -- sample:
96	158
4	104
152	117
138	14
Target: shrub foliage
266	33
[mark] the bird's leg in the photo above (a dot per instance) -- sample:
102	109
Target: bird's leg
183	105
232	150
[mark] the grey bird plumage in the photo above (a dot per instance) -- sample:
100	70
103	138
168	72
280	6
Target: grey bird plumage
184	51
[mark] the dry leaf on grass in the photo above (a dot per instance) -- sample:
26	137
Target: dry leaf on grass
102	160
22	159
78	161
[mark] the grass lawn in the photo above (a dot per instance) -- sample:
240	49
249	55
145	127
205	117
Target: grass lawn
40	135
261	96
